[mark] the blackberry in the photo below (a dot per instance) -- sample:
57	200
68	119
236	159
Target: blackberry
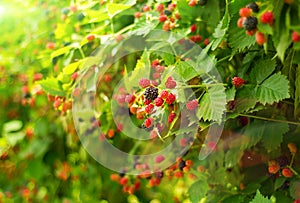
151	93
181	165
167	12
250	23
202	2
253	6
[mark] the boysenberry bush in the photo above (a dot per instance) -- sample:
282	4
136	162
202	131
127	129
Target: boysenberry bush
218	80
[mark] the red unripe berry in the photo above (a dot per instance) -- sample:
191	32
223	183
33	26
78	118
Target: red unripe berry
171	7
193	28
155	63
292	147
146	101
260	38
166	26
129	98
133	110
170	84
164	94
138	15
159	158
273	169
196	38
73	8
296	36
177	16
156	75
160	8
240	22
37	76
286	172
170	99
123	181
171	117
50	45
206	41
267	17
90	37
107	78
149	108
237	82
25	89
75	76
57	103
178	174
158	101
111	133
245	12
192	3
251	32
191	105
148	122
146	8
144	82
162	18
114	177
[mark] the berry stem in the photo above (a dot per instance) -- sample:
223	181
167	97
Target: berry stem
294	172
270	119
292	161
201	86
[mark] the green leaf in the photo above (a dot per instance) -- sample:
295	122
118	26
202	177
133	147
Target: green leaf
295	189
220	31
230	94
260	199
279	182
52	86
254	132
71	68
262	69
273	89
245	99
186	71
232	157
212	104
113	8
198	190
12	126
60	51
273	134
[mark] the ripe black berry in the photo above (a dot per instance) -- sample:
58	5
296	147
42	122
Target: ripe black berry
151	93
253	6
181	165
202	2
250	23
167	12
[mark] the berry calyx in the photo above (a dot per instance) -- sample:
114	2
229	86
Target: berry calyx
148	122
170	84
237	82
260	38
267	17
296	36
151	93
158	101
170	99
253	6
286	172
191	105
144	82
245	12
250	23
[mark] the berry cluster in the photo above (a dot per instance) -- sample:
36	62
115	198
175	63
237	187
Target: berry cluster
193	3
167	16
248	20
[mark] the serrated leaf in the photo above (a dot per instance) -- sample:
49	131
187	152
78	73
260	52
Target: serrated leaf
230	94
273	134
262	69
273	89
185	71
245	99
70	69
52	86
114	8
212	105
254	132
259	198
197	191
232	157
60	51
